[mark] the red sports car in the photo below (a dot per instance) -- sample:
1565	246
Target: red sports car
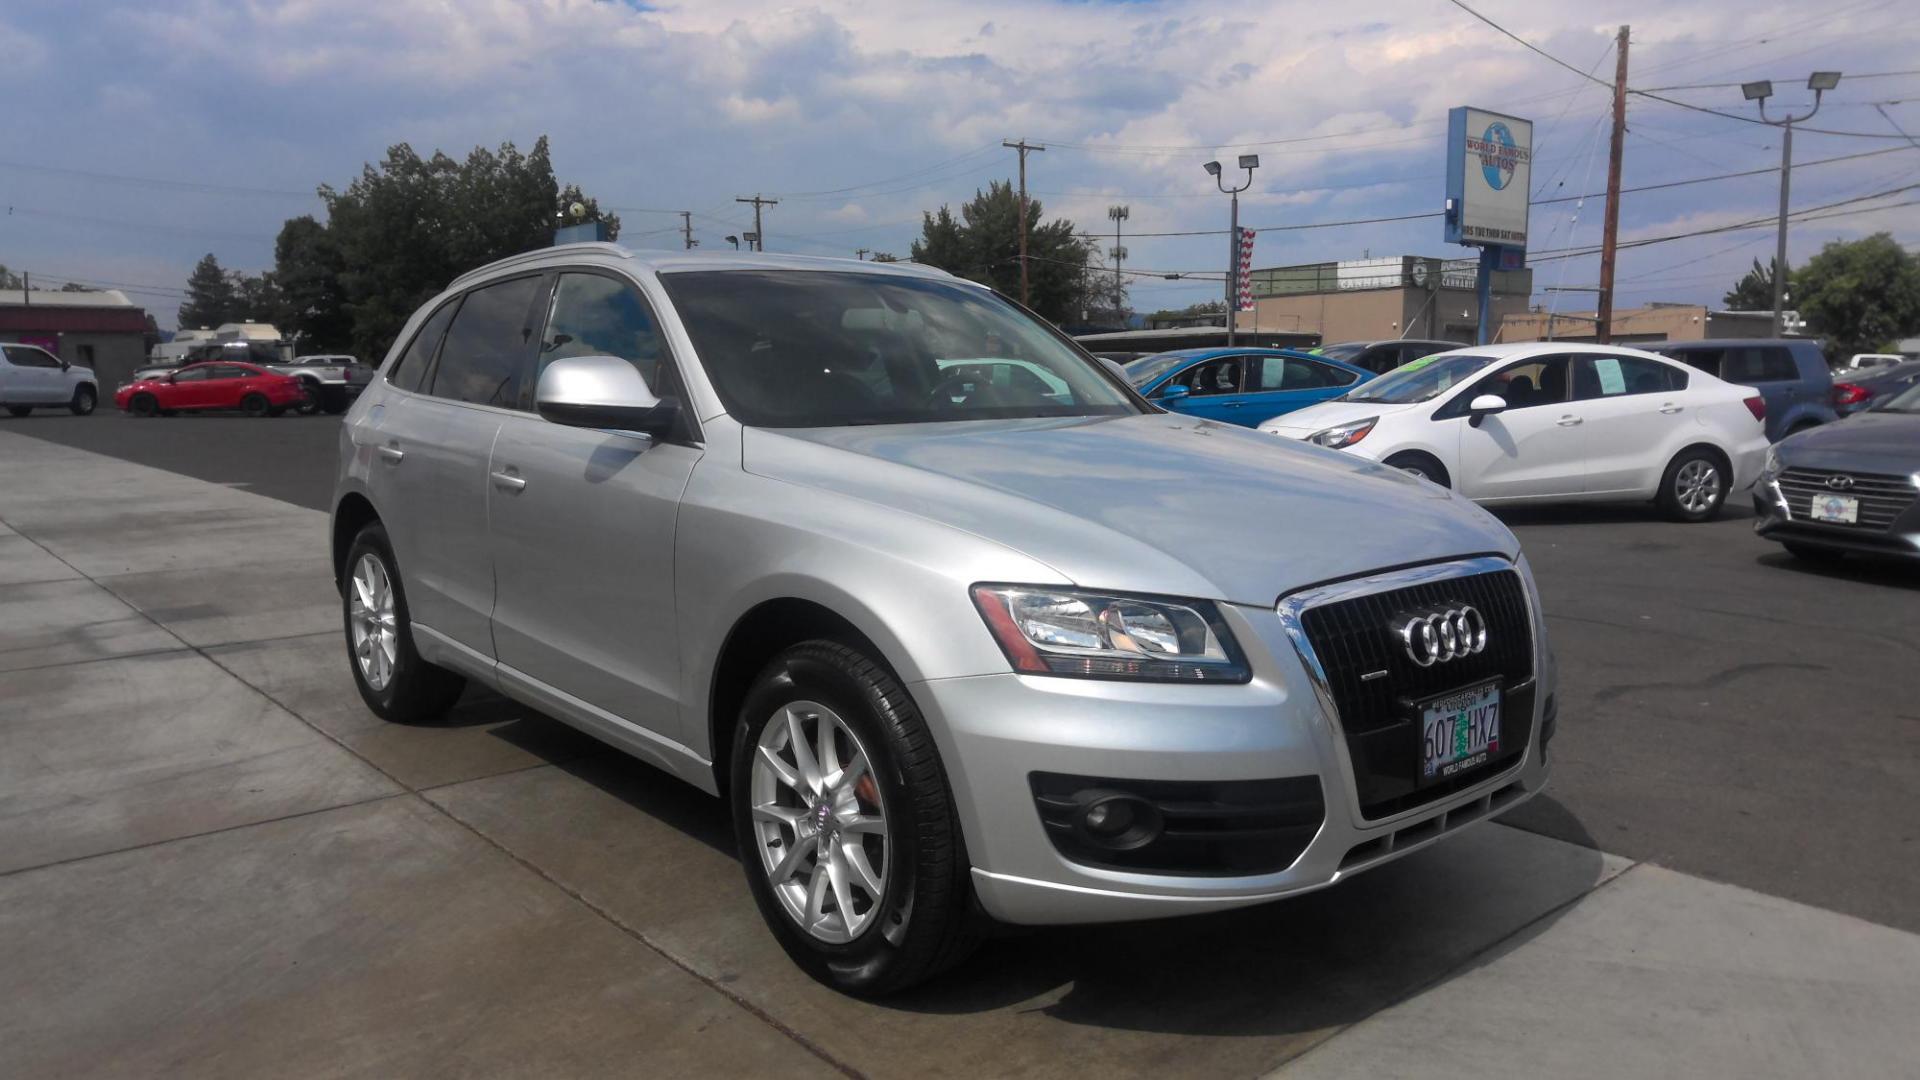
220	384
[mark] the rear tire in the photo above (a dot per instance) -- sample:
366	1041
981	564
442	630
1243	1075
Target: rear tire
1425	466
84	399
310	404
392	678
1819	556
922	922
255	405
1694	487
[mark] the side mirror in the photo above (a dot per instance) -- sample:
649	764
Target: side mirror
1484	406
1173	392
601	392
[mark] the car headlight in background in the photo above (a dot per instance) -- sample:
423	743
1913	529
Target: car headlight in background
1052	631
1339	438
1773	462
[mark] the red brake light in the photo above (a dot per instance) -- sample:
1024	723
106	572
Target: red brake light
1846	393
1757	405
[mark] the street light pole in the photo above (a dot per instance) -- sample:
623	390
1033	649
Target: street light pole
1248	162
1819	82
1118	214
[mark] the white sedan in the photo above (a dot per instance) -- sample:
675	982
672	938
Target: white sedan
1549	421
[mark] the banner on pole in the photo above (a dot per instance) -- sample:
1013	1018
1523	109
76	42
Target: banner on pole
1245	270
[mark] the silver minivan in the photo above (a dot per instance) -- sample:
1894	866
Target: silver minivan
959	627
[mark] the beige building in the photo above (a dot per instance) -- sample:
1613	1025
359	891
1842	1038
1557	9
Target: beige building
1655	322
1369	299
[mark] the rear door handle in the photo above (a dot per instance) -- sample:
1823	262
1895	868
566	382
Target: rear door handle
509	480
393	454
1569	421
1671	408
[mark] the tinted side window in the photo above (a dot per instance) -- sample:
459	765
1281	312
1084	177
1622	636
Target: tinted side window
411	366
1292	373
1536	382
484	357
593	315
1616	376
192	374
1707	360
28	356
1758	364
232	371
1220	376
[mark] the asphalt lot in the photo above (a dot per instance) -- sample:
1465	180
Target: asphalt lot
1725	711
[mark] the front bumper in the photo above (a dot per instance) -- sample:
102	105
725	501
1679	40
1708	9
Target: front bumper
1772	520
996	731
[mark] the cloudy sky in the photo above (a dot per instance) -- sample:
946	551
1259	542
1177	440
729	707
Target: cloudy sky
143	135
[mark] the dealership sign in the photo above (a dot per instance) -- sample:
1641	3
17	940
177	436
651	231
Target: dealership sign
1489	175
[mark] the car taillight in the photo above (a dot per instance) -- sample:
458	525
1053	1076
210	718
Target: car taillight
1757	405
1846	393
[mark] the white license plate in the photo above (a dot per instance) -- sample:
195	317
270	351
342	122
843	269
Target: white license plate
1458	732
1842	509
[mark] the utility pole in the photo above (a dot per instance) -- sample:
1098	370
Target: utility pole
1248	162
1610	234
686	229
1023	146
861	253
759	236
1118	214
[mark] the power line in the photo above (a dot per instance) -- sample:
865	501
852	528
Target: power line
1810	213
1531	47
1732	85
155	181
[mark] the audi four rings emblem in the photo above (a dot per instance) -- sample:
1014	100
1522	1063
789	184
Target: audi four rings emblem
1436	635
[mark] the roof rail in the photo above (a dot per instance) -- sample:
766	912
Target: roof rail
600	247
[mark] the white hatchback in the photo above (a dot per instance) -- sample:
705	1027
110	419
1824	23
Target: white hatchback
1549	421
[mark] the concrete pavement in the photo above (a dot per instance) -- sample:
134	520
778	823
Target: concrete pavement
214	861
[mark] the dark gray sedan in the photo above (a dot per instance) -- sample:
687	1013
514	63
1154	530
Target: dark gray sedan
1847	487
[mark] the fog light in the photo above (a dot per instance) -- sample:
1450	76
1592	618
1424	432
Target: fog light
1117	821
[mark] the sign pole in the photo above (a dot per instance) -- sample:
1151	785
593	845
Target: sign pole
1483	285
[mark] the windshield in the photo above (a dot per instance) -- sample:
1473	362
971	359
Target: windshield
1148	368
1906	401
805	348
1421	380
1343	352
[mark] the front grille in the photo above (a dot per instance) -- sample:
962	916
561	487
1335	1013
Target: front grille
1353	638
1882	498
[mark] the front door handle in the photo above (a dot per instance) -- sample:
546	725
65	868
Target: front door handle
393	454
1232	404
1670	408
1569	421
509	480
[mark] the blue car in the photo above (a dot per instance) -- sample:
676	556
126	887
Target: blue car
1240	386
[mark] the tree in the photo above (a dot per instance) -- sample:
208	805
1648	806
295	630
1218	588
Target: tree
408	226
1860	294
74	286
210	295
983	244
9	279
1754	292
307	267
256	298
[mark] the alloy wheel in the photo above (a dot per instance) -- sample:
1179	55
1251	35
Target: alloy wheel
1697	486
372	622
819	820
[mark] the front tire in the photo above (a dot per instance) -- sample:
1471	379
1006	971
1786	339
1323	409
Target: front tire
84	399
1424	466
846	825
392	678
1694	487
144	405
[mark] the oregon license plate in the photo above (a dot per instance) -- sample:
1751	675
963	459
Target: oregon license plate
1842	509
1459	731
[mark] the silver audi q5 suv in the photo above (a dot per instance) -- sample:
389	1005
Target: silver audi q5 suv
958	626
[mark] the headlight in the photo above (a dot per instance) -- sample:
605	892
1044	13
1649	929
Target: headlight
1049	631
1773	462
1339	438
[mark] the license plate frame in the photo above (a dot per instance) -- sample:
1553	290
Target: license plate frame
1834	509
1449	746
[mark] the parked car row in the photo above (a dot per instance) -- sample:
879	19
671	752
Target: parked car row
330	381
217	386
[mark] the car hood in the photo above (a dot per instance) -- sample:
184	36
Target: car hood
1866	442
1156	503
1303	422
